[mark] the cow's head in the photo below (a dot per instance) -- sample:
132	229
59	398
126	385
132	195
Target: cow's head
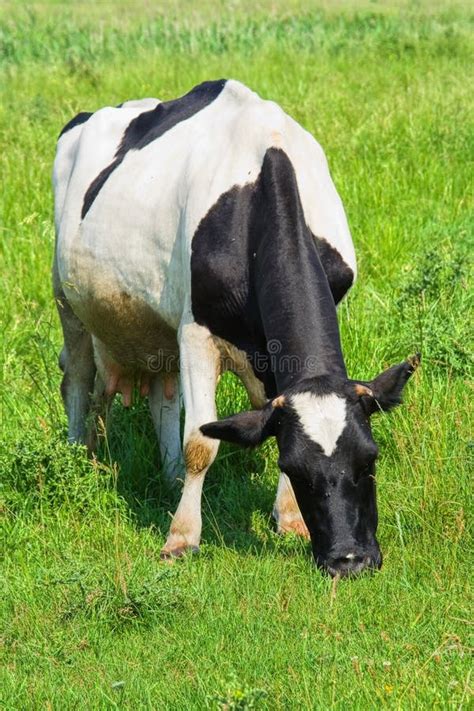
324	437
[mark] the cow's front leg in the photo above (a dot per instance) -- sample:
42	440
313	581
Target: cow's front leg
286	511
199	365
165	407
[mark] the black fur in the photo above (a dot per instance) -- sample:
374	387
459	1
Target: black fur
152	124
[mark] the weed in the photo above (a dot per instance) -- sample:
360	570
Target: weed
436	300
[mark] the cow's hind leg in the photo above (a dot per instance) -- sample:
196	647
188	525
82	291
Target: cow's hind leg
286	511
199	359
98	418
77	363
165	410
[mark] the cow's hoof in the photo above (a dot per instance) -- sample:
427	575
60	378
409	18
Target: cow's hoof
298	527
173	554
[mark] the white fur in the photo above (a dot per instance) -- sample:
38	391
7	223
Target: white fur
322	418
199	371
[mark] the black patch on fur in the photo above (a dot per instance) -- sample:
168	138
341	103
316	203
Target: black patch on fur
76	121
340	275
257	280
152	124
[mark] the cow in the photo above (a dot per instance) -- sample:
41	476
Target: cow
205	234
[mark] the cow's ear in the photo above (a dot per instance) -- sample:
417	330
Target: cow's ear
246	428
385	391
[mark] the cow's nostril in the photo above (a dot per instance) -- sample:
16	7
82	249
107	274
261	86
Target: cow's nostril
351	560
349	564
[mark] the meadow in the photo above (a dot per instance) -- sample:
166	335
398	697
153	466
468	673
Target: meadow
91	619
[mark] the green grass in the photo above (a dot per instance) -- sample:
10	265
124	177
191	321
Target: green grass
91	619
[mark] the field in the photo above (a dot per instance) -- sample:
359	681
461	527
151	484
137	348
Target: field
90	617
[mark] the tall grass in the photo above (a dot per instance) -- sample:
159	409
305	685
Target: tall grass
37	39
91	619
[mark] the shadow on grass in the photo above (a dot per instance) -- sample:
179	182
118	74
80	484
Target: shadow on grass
238	496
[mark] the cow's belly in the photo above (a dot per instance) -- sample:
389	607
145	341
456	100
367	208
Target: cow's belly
134	335
129	309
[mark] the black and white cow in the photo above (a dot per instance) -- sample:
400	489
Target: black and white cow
205	234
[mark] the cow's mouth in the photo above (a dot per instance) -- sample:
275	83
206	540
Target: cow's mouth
349	565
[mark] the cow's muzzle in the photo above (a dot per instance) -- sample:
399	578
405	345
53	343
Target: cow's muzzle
350	563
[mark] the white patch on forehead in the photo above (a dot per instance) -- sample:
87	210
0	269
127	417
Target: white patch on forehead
322	417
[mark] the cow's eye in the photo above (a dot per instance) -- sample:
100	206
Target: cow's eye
365	472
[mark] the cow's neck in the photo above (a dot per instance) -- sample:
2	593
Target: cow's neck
296	306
